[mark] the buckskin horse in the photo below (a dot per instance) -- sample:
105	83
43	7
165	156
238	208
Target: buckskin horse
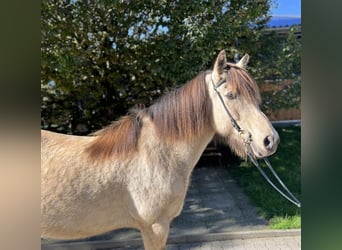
135	172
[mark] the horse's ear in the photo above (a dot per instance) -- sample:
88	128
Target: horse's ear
220	65
243	61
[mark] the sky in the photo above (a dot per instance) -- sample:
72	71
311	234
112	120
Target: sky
286	8
285	13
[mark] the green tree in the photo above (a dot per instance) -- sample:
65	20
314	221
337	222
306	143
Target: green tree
101	57
279	60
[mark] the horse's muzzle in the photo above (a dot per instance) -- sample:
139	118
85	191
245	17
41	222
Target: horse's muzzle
271	142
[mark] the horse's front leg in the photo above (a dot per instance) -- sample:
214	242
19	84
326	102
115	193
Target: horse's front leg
155	235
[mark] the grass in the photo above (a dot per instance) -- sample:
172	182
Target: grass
286	222
280	213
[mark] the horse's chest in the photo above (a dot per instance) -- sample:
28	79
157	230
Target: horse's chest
159	195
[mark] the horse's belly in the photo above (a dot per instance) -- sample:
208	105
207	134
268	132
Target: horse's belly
80	230
83	218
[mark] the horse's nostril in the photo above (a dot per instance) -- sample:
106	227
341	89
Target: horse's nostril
268	142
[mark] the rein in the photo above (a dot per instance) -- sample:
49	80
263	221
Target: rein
247	140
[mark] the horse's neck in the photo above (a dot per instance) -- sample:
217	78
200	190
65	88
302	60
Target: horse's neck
186	152
196	147
183	155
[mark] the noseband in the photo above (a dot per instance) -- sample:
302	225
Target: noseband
247	140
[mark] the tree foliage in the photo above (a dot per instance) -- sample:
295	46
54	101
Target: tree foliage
280	61
101	57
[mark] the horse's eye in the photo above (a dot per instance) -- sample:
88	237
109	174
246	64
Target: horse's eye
231	96
226	68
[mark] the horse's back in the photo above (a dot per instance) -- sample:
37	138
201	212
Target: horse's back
49	138
61	147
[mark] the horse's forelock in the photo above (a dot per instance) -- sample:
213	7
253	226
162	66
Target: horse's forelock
244	84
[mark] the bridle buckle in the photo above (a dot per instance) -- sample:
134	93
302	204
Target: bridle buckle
245	136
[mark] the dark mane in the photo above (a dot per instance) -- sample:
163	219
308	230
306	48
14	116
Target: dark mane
180	114
184	112
244	84
119	138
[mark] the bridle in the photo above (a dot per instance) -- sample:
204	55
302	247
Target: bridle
247	141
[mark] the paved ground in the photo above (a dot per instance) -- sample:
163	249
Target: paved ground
270	243
216	215
288	243
282	243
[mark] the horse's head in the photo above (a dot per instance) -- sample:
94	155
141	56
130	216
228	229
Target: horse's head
235	104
